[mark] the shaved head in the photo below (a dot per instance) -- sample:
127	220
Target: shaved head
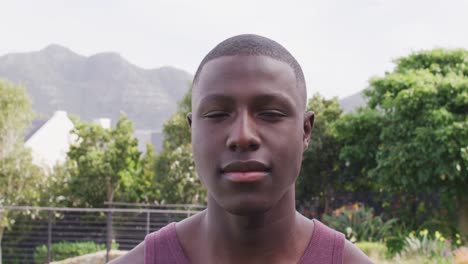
254	45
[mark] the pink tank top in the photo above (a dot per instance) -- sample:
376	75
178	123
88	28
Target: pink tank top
326	246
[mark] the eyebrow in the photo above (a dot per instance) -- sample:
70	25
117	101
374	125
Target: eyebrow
259	99
216	98
270	98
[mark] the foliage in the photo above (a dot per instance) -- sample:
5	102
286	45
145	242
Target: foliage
105	164
176	177
421	248
15	116
324	175
423	244
18	176
395	241
426	121
143	187
358	223
176	130
64	250
418	210
358	133
320	170
56	191
20	179
413	136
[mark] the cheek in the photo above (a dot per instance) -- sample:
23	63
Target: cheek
288	154
200	160
204	146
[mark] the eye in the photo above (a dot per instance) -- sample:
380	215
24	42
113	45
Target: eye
216	114
271	115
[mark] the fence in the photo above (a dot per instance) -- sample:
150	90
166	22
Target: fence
126	226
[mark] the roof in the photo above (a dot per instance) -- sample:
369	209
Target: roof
36	125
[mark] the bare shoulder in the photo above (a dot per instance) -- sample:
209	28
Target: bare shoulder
352	254
135	256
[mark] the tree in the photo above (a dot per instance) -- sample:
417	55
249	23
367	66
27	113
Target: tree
416	121
176	177
104	164
320	165
358	135
20	180
143	187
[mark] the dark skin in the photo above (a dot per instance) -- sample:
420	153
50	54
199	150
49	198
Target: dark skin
249	131
250	102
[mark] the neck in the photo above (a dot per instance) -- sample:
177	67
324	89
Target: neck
273	231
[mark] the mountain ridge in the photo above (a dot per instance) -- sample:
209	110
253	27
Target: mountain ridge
100	85
105	84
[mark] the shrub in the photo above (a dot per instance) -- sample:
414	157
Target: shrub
395	241
64	250
359	223
433	247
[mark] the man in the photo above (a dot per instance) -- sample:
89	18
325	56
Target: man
249	131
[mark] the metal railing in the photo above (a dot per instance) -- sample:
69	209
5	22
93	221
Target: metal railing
125	226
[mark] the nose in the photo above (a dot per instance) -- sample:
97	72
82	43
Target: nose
243	136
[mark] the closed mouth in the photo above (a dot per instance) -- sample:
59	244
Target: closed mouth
245	171
245	166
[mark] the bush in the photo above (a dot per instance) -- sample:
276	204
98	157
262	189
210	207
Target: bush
395	244
358	223
433	247
64	250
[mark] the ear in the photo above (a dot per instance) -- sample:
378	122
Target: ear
309	118
189	119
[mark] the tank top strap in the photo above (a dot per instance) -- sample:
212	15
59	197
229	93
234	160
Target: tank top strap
326	246
163	246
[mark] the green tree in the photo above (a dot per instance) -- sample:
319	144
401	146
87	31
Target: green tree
20	180
176	177
176	130
320	167
105	164
359	135
416	124
143	188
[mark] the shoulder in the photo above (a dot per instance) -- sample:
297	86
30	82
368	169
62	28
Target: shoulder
136	256
352	254
349	252
162	238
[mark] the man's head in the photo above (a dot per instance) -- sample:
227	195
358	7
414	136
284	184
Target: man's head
255	45
249	127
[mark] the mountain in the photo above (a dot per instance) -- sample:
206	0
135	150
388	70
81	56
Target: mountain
101	85
352	102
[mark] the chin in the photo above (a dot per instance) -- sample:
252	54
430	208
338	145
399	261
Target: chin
245	207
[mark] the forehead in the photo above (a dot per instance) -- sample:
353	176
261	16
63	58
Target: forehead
246	76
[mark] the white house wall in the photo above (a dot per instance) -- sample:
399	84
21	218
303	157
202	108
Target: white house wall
51	142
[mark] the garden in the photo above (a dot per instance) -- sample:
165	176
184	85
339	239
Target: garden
386	240
391	175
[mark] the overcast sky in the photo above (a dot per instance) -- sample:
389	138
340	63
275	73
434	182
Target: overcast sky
340	44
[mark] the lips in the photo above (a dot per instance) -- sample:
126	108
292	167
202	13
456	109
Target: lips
245	171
